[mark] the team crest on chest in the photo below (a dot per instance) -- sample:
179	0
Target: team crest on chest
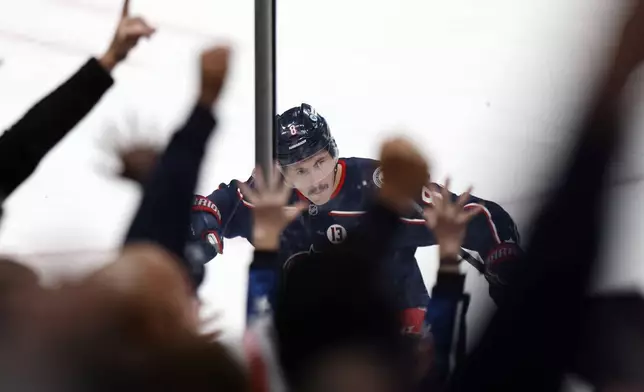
336	234
377	177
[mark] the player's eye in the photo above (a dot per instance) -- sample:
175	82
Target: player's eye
319	162
300	172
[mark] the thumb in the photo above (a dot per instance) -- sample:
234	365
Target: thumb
293	212
431	217
137	30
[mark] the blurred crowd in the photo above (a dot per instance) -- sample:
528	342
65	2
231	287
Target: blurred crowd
134	324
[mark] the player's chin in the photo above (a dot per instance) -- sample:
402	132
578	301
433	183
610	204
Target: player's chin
320	198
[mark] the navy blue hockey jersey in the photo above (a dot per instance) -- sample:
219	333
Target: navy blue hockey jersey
491	244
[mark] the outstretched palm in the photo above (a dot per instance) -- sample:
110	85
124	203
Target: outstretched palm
270	213
448	220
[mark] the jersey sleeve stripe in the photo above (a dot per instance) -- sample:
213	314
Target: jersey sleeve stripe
414	221
490	221
349	214
346	213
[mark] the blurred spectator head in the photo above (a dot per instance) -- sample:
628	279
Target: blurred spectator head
349	369
334	312
16	277
610	347
151	279
128	326
181	364
18	286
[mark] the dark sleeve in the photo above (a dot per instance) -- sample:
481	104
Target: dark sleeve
163	216
532	336
610	348
494	237
373	236
369	242
223	214
23	146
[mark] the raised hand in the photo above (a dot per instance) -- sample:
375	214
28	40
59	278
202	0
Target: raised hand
405	171
138	162
630	49
270	213
127	35
214	68
448	220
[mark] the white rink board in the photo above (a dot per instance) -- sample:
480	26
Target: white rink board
488	91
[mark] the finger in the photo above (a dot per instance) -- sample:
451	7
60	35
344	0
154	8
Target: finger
136	32
135	20
430	217
139	26
437	198
249	194
284	191
212	336
260	184
293	212
470	213
211	319
434	189
302	205
276	179
464	197
125	11
445	191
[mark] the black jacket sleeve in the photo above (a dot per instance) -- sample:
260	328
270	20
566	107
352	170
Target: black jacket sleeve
529	343
163	216
23	146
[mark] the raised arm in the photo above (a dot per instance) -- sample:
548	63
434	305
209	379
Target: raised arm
163	216
24	145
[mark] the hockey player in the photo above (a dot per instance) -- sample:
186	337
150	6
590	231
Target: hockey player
338	191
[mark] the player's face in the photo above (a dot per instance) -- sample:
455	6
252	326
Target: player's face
314	177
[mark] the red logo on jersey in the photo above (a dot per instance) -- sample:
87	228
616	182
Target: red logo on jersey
412	320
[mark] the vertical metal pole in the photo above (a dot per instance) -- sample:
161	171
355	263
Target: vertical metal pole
265	85
261	280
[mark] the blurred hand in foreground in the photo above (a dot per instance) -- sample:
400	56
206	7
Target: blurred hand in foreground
405	172
128	33
270	214
214	69
448	220
138	162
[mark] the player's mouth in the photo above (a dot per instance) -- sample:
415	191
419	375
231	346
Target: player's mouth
319	189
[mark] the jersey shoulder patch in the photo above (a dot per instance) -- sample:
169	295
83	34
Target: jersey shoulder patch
377	177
